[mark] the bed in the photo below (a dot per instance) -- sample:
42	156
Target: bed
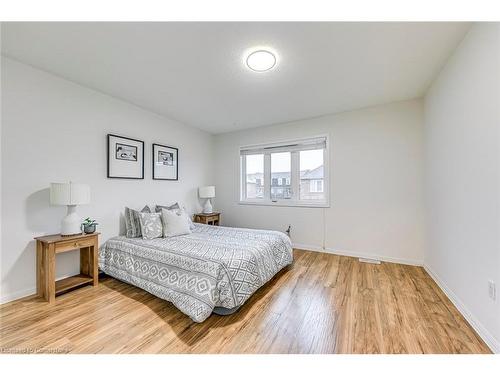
211	268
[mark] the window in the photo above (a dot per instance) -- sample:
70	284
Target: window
254	176
291	174
311	175
280	170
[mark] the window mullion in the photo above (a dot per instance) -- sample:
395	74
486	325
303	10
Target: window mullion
243	177
267	176
295	175
326	174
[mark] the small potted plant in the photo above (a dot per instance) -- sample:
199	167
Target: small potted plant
89	225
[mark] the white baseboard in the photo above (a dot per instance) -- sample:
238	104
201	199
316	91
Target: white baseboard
356	254
23	293
487	337
17	295
302	246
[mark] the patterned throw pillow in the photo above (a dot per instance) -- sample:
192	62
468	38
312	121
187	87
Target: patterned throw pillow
132	223
175	206
151	226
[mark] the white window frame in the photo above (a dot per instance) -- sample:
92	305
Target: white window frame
294	180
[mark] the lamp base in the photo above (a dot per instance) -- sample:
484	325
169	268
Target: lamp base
207	208
71	224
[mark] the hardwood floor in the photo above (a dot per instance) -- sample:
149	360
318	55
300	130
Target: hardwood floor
323	303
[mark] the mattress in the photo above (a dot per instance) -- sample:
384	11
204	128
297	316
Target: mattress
213	267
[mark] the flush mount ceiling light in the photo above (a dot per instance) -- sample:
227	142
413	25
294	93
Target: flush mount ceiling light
261	60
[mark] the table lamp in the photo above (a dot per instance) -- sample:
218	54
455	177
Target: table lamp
207	192
71	195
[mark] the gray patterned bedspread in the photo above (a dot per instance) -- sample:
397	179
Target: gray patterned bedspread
211	267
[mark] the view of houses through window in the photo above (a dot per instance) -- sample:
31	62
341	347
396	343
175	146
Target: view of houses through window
255	176
281	166
310	175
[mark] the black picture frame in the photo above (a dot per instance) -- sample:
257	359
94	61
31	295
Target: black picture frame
108	150
174	158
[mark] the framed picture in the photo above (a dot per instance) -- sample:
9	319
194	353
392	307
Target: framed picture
165	162
125	157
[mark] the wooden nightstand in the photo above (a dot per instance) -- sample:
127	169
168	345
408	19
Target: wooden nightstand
210	219
46	249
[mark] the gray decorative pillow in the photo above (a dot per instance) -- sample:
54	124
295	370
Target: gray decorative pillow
151	225
132	223
175	206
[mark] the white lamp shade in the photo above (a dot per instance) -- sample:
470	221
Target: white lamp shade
69	193
207	192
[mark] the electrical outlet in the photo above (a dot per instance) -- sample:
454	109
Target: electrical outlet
492	292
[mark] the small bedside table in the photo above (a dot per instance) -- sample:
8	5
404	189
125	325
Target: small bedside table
210	219
46	249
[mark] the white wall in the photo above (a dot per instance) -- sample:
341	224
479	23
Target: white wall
54	130
376	183
462	119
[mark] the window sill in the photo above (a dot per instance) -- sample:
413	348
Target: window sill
286	204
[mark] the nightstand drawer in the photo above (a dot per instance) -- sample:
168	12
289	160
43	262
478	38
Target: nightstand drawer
73	244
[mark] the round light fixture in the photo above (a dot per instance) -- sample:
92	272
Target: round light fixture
261	60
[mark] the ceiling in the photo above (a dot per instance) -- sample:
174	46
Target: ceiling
195	72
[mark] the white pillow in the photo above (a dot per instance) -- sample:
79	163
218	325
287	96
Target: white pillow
175	223
191	225
177	207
